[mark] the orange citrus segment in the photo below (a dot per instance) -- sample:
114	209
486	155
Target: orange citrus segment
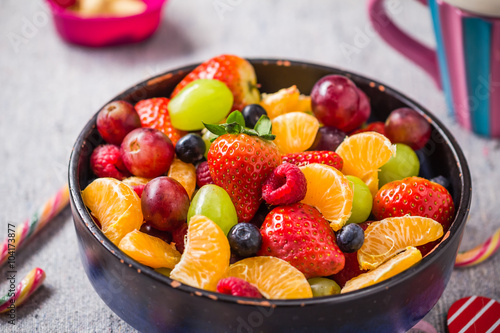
371	180
148	250
135	181
284	101
328	190
393	266
274	277
304	104
205	259
185	174
295	131
386	238
364	153
115	205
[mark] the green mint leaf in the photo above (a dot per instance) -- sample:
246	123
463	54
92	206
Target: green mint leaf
263	126
215	129
233	128
268	137
236	117
251	132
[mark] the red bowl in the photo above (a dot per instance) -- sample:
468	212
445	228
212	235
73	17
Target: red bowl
106	31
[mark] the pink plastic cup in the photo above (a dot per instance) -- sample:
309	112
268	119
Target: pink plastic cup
106	31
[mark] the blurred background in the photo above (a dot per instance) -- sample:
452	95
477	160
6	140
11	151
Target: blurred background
50	89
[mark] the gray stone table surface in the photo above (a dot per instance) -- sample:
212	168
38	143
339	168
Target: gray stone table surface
49	89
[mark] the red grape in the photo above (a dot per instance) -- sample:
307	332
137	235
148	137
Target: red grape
407	126
336	101
147	152
165	204
163	235
116	120
328	138
364	110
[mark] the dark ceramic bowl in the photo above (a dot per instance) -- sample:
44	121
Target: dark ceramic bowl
152	302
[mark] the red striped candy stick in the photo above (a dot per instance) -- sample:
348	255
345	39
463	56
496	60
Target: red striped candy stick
474	314
29	228
24	289
480	253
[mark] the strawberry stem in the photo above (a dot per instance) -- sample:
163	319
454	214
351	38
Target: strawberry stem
235	124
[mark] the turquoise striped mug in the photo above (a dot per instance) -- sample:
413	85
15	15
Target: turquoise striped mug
466	63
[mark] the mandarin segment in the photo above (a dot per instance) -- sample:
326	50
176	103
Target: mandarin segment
136	181
274	277
115	205
371	180
393	266
205	259
386	238
148	250
295	131
284	101
185	174
328	190
364	153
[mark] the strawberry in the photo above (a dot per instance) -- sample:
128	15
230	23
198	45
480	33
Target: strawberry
300	235
237	73
153	113
414	196
377	126
325	157
241	159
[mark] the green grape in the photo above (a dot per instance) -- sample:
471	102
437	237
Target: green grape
404	164
163	270
203	100
323	287
362	201
207	136
213	202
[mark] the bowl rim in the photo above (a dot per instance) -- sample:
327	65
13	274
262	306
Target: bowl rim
67	14
462	209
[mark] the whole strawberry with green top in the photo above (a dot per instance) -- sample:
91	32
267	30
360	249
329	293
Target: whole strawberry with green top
237	73
240	159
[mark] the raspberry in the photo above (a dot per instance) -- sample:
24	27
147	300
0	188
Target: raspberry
324	157
106	161
138	189
203	175
286	185
178	237
237	287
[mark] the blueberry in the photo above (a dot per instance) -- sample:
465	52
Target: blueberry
350	238
245	239
190	148
441	180
252	114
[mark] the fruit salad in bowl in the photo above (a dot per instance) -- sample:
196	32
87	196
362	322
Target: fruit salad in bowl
267	195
